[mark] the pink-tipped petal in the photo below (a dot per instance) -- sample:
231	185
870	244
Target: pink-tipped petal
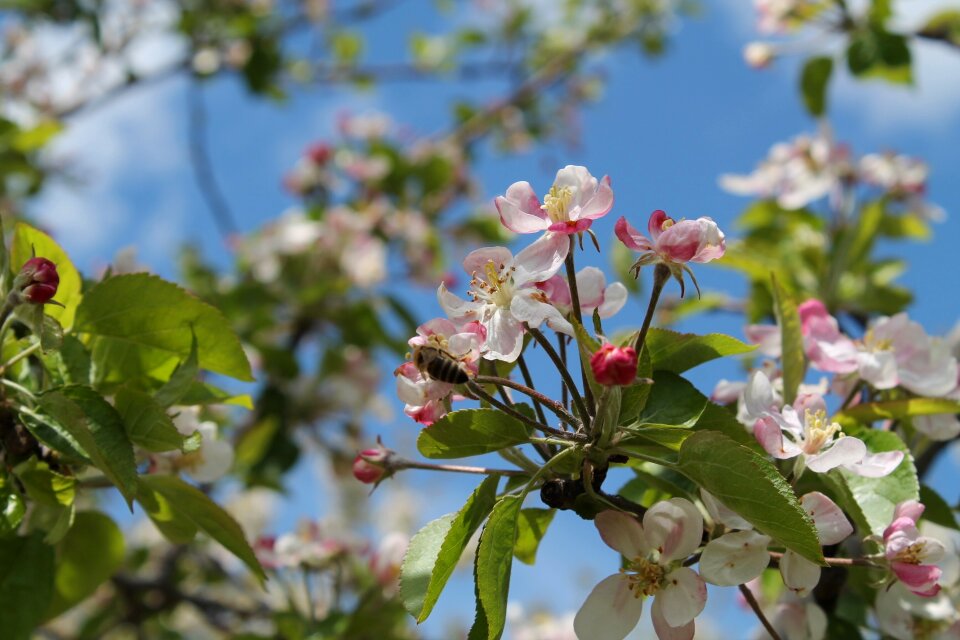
917	577
610	612
622	533
735	558
664	631
831	523
912	509
520	209
629	236
600	203
675	527
877	465
570	227
541	259
770	436
476	261
655	223
683	596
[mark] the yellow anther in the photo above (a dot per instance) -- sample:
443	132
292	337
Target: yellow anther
556	202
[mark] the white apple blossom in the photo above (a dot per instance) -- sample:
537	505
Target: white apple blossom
654	552
504	294
592	289
903	178
213	459
574	201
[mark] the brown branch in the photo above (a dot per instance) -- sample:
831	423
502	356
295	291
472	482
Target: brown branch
748	596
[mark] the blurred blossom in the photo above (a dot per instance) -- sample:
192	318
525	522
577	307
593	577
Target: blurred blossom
215	456
385	561
759	55
903	178
538	624
364	126
775	16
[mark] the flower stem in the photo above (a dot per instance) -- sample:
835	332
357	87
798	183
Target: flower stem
481	393
562	346
20	356
660	276
528	380
564	373
551	404
458	468
752	601
578	315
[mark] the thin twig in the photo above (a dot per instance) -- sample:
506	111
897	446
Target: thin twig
660	276
578	315
458	468
835	562
551	404
203	172
481	393
564	373
752	601
528	379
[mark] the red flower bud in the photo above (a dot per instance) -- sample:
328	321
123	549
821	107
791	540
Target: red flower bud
39	280
368	465
614	365
319	153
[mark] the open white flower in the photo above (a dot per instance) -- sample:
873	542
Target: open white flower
505	295
654	553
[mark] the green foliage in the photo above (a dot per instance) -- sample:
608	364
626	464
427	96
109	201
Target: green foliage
943	25
434	552
814	80
470	432
177	508
791	338
27	242
678	352
531	527
98	429
749	484
936	509
874	52
896	410
142	325
494	561
148	425
870	501
12	510
86	557
26	584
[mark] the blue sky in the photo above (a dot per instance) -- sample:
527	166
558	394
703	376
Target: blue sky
664	131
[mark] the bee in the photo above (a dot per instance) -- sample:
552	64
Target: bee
438	364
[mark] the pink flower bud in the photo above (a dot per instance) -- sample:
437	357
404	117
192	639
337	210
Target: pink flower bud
614	365
319	153
368	465
38	280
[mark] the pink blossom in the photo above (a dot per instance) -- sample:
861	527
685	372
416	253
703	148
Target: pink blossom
912	557
654	553
592	288
504	294
574	201
368	466
671	241
612	365
37	280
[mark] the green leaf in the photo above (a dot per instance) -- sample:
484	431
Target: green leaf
871	501
673	402
634	398
26	585
896	410
79	572
147	423
98	428
678	352
494	561
813	84
12	510
791	336
876	53
143	319
202	393
76	359
471	432
192	506
26	240
531	527
434	552
182	379
44	486
748	483
937	510
943	25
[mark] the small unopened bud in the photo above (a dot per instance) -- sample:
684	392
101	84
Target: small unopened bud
759	55
319	153
614	365
38	280
369	466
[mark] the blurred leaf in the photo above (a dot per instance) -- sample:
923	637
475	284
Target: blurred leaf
814	80
12	511
471	432
876	53
78	571
192	506
531	527
936	509
26	240
793	358
943	25
896	410
748	483
26	585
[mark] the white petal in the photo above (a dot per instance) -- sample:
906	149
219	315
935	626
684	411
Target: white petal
845	451
675	527
879	369
683	597
214	460
622	533
541	259
476	260
735	558
504	337
590	285
722	514
877	465
944	426
664	631
456	307
758	396
799	574
614	297
832	525
525	308
610	612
